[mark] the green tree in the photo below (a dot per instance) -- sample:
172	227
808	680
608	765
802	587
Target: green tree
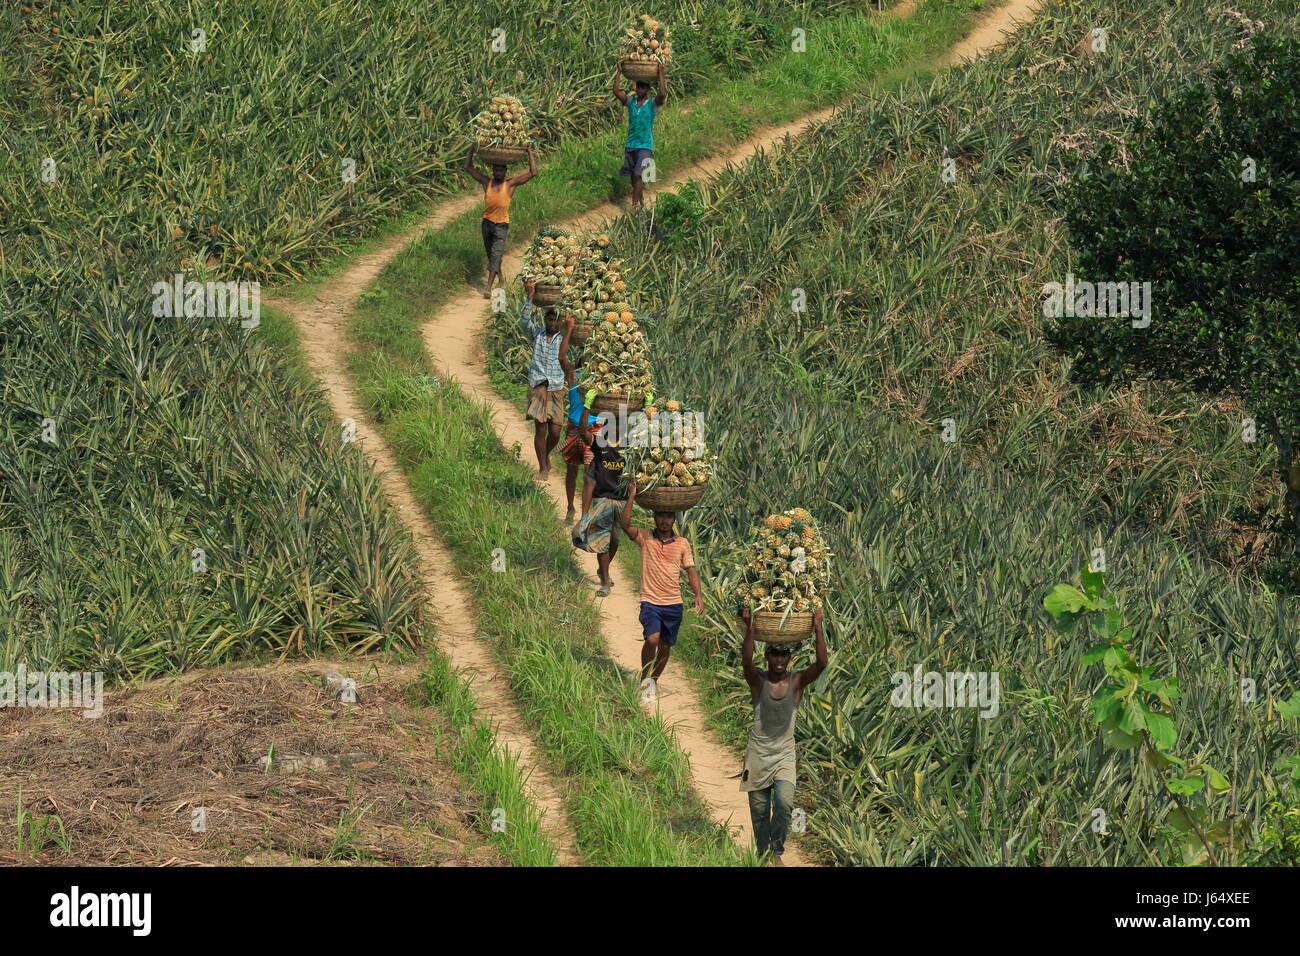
1207	211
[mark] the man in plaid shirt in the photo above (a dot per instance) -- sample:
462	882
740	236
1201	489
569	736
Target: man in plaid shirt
546	379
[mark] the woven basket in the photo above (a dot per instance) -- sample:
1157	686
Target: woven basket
610	401
648	72
581	332
547	295
501	155
798	626
663	498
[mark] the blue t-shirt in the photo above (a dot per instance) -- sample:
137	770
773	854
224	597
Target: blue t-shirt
640	123
575	400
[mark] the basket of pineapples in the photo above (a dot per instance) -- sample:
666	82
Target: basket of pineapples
785	571
666	455
550	262
595	288
501	132
642	48
617	361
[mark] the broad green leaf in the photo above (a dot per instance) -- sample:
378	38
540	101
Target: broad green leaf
1216	780
1185	786
1290	709
1194	853
1162	730
1161	761
1221	832
1065	599
1094	582
1119	739
1132	718
1179	820
1095	653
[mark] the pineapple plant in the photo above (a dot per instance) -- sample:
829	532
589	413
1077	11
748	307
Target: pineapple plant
785	568
643	47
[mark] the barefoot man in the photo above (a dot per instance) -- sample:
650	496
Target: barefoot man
497	193
769	776
664	555
546	379
641	113
603	498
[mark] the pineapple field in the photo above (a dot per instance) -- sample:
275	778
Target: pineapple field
922	314
142	143
266	470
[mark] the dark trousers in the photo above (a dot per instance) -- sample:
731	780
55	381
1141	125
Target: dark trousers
769	811
494	243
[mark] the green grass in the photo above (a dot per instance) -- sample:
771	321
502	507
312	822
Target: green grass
163	140
473	749
487	768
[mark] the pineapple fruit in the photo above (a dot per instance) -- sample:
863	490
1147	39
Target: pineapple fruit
503	122
646	43
597	284
786	565
667	448
554	257
617	353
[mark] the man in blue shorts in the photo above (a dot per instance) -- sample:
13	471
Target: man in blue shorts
641	113
664	556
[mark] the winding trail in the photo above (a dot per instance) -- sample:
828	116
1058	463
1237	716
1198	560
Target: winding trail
322	327
453	339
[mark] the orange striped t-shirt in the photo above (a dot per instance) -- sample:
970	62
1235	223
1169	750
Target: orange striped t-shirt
661	567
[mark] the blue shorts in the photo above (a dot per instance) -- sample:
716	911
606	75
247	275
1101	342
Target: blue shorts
662	618
634	161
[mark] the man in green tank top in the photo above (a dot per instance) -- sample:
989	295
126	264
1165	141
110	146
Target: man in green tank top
769	776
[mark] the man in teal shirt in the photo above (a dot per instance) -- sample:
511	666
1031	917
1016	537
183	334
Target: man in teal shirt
641	112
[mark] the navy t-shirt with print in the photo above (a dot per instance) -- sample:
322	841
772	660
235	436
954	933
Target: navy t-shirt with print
607	469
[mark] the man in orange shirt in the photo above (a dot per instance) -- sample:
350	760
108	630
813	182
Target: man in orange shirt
664	555
497	193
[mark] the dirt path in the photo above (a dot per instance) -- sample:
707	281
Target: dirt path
992	30
454	338
322	325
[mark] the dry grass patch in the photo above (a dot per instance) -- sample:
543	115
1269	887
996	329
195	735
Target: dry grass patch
124	786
